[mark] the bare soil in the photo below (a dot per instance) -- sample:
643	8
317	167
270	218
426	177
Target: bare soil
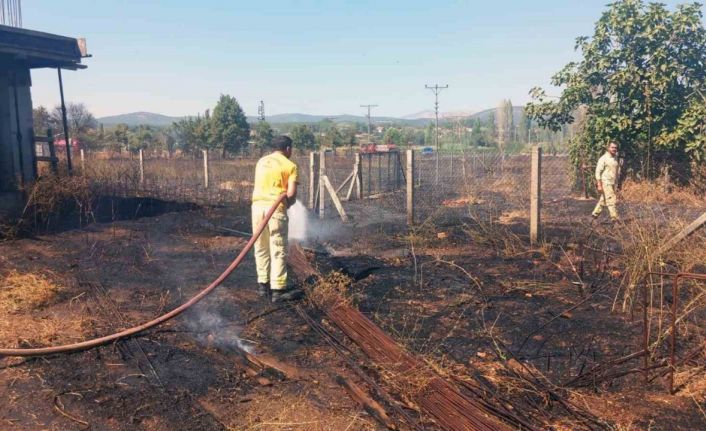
439	292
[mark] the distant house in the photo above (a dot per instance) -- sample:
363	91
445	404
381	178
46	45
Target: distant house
20	51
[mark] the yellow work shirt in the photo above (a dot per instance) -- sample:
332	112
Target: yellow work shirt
273	173
607	169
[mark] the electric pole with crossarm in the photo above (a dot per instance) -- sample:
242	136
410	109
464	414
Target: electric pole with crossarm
436	89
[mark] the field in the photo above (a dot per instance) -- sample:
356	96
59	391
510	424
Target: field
552	334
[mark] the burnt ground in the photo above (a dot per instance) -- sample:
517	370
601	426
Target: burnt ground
461	302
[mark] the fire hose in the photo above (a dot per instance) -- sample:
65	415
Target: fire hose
88	344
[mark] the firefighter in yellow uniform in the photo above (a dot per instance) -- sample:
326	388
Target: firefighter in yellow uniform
606	180
275	174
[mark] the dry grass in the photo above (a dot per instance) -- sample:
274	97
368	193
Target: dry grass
650	192
640	241
331	290
51	194
23	292
494	233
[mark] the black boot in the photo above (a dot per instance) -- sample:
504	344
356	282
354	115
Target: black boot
283	295
263	289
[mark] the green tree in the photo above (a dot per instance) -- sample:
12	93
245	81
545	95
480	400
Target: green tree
230	130
429	135
263	135
185	135
203	133
141	139
523	128
638	81
121	136
348	136
392	136
41	120
303	137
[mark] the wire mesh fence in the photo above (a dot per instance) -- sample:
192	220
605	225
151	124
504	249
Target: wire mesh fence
370	186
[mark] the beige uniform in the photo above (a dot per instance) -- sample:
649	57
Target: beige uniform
273	173
607	174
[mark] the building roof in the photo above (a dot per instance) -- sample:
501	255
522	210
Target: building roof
37	49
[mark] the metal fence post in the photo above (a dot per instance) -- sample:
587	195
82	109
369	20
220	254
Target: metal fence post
535	193
410	187
205	169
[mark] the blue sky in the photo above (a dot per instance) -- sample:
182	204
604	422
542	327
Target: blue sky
319	57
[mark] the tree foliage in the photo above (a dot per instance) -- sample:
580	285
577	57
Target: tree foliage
263	135
303	137
230	130
638	82
392	136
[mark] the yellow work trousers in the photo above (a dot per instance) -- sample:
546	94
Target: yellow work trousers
271	246
607	199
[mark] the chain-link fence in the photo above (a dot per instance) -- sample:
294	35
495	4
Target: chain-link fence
370	186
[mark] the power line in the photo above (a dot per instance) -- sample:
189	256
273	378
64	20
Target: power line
370	137
436	89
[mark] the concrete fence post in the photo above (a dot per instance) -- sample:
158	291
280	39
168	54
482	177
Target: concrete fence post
410	187
83	161
358	177
535	194
205	169
322	186
313	178
142	168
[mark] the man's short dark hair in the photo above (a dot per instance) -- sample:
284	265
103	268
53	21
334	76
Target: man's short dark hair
281	143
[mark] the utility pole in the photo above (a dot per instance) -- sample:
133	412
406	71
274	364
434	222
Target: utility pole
261	111
370	136
436	89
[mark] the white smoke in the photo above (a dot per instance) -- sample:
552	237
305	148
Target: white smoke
306	228
214	331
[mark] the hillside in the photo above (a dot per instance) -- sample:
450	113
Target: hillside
137	118
419	119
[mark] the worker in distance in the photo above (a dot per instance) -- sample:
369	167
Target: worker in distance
606	182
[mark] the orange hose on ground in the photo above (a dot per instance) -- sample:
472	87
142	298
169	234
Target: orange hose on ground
88	344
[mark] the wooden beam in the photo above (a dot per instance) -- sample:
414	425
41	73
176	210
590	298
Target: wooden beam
334	198
47	159
348	178
693	227
353	184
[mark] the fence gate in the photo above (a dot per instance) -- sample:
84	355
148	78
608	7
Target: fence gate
381	173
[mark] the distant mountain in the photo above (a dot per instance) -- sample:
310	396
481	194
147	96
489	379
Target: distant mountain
307	118
430	115
417	119
137	118
485	114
